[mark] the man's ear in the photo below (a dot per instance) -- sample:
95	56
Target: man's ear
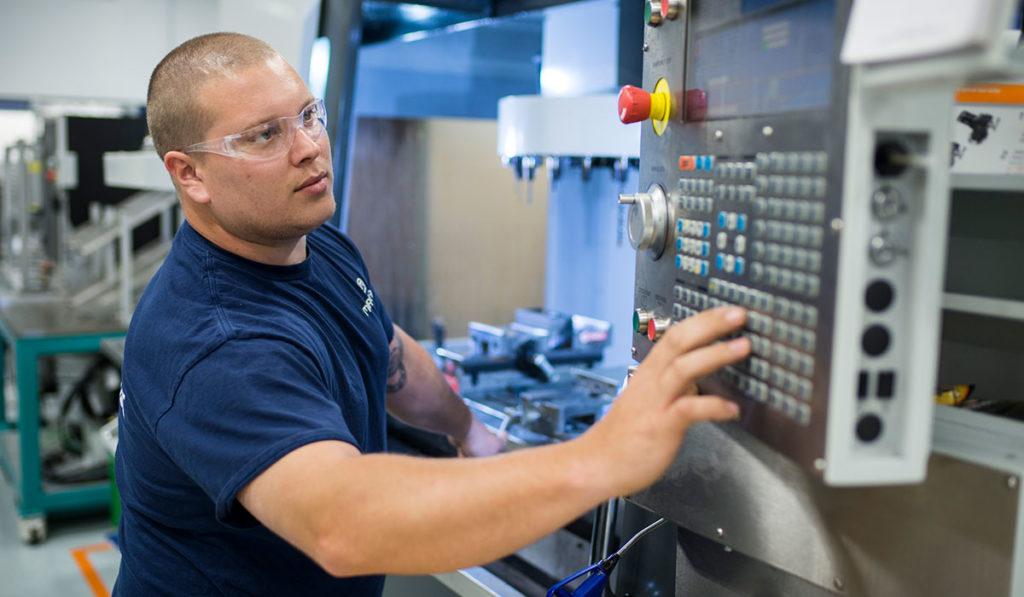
182	168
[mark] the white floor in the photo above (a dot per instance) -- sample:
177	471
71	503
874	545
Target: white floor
50	569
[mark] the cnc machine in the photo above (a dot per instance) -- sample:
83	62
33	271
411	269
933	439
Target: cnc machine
786	169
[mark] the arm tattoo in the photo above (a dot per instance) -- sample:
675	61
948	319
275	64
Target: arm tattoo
396	367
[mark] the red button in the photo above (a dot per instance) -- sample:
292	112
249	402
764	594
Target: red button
687	162
634	104
652	330
696	105
670	8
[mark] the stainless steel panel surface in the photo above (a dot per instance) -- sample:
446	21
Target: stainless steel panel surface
761	526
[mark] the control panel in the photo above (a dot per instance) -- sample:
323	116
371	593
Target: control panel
774	178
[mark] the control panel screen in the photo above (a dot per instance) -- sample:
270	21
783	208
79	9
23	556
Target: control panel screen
763	58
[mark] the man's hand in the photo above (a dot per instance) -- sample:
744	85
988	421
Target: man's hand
479	441
419	395
642	432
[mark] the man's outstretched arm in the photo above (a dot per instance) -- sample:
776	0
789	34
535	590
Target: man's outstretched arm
384	513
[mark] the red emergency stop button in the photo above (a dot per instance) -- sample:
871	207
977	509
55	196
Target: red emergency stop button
634	104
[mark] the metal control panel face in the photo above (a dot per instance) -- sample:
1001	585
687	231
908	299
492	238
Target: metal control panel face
744	201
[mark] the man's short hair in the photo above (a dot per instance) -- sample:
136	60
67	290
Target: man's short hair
173	112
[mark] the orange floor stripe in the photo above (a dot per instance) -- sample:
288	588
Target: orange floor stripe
81	557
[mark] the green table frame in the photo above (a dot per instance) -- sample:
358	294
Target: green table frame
32	331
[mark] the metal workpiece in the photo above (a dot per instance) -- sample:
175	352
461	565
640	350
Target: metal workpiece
561	412
536	377
535	344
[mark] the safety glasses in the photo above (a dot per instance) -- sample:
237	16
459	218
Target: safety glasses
270	139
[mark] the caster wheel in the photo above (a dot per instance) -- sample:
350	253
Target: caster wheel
32	529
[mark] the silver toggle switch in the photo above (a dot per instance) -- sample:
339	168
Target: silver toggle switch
883	249
887	202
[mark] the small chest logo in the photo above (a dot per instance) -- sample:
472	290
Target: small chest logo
368	305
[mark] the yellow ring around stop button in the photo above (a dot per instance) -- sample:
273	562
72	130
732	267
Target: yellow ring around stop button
661	106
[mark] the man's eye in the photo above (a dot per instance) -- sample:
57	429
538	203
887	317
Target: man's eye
264	135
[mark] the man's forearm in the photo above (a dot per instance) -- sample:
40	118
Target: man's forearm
408	515
419	395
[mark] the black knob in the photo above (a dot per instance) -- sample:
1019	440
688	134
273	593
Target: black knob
891	158
878	295
869	427
875	340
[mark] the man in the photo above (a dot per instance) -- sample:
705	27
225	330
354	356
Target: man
259	363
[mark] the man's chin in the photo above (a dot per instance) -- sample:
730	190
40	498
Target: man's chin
323	215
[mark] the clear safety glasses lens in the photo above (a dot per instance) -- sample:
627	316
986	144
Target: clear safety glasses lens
270	139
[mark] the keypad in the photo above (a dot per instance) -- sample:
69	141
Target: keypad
782	347
753	231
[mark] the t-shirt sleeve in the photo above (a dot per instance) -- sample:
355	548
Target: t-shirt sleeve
241	409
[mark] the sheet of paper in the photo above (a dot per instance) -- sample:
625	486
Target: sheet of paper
888	30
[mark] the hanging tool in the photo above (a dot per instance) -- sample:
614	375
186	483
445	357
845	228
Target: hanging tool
595	584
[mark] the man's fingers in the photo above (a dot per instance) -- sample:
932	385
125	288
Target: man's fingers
705	360
480	441
705	408
694	332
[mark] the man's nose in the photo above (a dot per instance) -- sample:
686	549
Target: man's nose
304	144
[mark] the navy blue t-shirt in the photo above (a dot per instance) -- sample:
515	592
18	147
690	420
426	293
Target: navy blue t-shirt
229	365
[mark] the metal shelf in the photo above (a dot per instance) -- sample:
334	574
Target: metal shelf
1008	183
982	305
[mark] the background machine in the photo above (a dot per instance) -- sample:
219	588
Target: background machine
799	167
76	250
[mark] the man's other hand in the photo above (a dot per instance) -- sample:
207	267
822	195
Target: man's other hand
479	441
